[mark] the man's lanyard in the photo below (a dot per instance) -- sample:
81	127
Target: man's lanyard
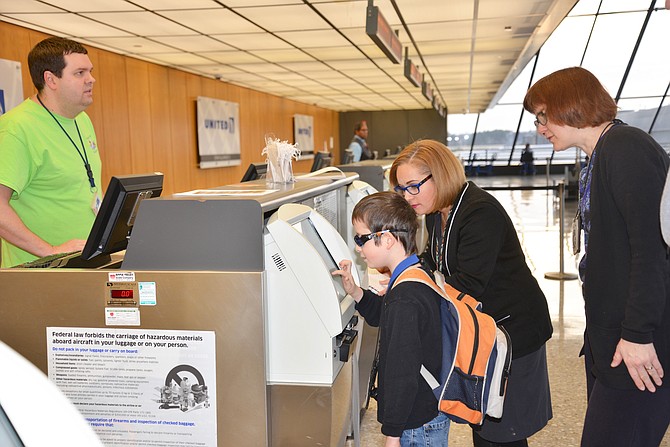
82	152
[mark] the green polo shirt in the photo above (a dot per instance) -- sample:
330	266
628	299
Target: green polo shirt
52	195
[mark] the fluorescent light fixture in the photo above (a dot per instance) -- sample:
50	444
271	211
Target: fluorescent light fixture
381	33
412	73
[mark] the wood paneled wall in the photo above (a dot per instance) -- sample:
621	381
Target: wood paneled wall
145	116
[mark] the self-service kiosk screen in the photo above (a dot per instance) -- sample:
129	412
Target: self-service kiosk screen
306	227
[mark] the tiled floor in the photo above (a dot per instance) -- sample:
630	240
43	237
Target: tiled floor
536	216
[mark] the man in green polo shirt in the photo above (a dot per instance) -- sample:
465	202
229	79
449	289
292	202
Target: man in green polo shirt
50	168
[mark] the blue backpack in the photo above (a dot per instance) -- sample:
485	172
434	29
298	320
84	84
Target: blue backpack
476	356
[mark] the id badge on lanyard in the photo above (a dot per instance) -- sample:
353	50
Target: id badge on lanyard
95	204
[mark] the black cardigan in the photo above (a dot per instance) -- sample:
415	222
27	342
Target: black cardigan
627	275
410	335
484	259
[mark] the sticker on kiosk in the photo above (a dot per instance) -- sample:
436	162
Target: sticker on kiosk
122	316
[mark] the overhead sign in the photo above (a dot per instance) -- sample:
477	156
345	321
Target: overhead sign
427	91
412	73
381	33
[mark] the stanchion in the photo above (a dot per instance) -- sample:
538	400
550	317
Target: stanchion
547	170
561	275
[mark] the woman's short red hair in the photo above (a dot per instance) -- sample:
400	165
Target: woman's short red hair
571	97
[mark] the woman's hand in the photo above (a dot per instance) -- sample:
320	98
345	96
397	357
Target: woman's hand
392	442
642	363
348	280
379	280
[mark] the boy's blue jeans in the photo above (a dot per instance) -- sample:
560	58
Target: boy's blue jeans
432	434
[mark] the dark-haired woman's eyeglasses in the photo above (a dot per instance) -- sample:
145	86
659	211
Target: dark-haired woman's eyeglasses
540	119
413	189
363	238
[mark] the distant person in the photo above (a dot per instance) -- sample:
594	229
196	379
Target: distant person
527	161
359	145
625	268
50	168
408	317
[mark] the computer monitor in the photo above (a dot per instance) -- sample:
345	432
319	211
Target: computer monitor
117	213
321	160
306	227
348	157
255	171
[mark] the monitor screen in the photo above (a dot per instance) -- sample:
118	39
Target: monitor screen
348	157
116	217
255	171
306	227
321	160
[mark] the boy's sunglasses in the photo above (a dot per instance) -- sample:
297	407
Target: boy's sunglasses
363	238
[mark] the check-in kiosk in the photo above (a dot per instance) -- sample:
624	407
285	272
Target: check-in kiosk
367	334
309	313
199	337
355	192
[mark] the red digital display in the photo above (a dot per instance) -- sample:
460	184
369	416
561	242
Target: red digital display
122	293
381	33
412	73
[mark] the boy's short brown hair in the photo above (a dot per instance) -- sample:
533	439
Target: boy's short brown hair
388	211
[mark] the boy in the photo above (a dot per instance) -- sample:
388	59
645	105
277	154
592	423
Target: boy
408	317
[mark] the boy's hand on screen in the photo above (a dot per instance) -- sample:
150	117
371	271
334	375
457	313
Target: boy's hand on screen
348	282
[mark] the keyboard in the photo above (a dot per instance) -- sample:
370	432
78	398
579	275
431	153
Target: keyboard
51	261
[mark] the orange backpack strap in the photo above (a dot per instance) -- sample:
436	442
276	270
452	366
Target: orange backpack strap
417	274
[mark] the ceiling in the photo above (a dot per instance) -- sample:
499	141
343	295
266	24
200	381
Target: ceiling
317	51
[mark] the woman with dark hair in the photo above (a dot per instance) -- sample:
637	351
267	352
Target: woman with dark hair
473	244
625	268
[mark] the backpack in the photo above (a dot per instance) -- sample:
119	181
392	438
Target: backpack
476	355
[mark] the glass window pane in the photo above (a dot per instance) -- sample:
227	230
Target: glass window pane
517	90
565	46
585	7
638	112
460	128
500	117
650	72
624	5
661	130
611	45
